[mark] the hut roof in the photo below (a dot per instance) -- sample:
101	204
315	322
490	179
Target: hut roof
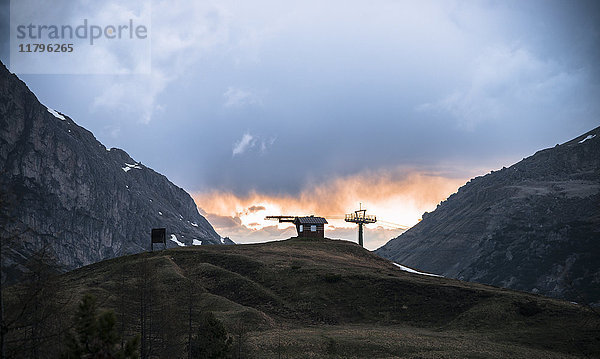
310	220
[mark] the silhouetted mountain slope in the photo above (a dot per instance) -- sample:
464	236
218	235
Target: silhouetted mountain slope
64	191
534	226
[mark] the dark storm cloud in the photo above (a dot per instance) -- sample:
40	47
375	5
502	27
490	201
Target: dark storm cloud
273	96
5	31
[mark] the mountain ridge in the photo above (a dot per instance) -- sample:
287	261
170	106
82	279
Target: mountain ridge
66	193
533	226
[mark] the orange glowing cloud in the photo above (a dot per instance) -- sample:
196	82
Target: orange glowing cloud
394	196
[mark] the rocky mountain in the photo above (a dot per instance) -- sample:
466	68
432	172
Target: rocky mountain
64	193
534	226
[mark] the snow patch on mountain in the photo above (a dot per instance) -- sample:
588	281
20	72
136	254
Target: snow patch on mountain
56	114
410	270
174	239
129	166
589	137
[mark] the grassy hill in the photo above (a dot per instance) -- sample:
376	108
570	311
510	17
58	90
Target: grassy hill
307	298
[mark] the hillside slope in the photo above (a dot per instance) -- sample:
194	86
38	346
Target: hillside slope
534	226
62	190
308	298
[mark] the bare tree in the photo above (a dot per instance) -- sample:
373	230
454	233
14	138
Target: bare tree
190	302
122	301
240	334
145	279
35	306
31	311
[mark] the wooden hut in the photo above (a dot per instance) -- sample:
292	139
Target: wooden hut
311	226
308	226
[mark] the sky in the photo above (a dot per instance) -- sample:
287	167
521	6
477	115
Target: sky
312	107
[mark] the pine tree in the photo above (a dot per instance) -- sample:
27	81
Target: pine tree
212	341
96	335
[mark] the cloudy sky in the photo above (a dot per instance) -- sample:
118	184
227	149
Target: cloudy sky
311	107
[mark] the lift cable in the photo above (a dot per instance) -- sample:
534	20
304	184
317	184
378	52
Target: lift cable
379	221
